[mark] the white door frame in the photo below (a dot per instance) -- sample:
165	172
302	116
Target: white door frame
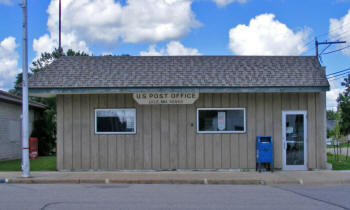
284	142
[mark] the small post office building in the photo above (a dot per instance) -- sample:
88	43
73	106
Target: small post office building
186	112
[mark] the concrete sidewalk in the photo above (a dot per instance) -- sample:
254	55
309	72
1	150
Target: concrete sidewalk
182	177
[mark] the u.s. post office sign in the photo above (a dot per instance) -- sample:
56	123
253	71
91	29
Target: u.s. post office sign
165	98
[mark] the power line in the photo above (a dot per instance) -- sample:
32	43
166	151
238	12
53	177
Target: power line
326	33
339	76
338	72
335	79
320	35
341	35
325	49
336	50
342	26
317	43
338	36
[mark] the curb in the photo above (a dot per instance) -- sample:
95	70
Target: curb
169	181
126	181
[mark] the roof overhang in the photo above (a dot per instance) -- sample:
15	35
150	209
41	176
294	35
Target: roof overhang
51	92
17	100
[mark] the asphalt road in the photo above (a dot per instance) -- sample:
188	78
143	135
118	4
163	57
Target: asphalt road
122	196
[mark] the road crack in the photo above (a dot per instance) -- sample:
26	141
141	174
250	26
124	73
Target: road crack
311	197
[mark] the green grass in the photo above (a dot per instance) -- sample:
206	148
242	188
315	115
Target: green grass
342	164
47	163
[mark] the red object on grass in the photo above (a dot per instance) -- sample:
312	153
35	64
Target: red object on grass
33	148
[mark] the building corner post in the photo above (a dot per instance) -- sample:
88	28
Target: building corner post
324	130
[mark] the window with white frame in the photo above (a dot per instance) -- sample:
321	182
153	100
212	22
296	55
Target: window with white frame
221	120
115	121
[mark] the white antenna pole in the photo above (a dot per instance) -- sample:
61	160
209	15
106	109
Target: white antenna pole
25	130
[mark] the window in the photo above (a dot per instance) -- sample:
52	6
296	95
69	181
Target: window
221	120
115	121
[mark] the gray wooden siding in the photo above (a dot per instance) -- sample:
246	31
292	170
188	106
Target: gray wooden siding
166	136
11	128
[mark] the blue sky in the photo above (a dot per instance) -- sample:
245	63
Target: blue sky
178	27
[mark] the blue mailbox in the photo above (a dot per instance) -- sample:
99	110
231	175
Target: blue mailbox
264	151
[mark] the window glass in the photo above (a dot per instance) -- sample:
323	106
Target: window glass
115	120
221	120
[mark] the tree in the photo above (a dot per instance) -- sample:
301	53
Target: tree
336	134
17	89
44	128
344	107
331	115
39	65
47	58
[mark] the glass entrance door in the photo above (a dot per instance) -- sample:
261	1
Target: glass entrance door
294	129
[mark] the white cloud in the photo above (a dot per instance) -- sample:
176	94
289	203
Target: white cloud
266	36
152	51
222	3
9	61
172	48
332	95
340	30
105	22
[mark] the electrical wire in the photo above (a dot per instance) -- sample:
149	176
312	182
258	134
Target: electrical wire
336	76
324	49
339	76
342	26
336	50
338	72
341	35
326	33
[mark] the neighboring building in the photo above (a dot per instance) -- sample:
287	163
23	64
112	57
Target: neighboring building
331	124
10	124
186	112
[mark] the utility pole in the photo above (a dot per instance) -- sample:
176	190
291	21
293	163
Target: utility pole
25	130
316	46
59	27
324	43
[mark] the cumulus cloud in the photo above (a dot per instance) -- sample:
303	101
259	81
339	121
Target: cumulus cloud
9	61
152	51
339	29
172	48
105	22
47	43
332	95
222	3
266	36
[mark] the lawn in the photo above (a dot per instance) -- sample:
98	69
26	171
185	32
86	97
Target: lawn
342	164
47	163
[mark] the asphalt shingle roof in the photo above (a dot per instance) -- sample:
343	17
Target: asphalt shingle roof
181	71
8	97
